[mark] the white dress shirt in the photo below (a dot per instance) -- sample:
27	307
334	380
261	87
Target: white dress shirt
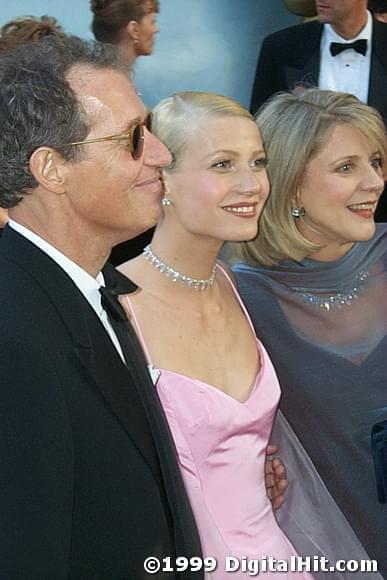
349	71
85	283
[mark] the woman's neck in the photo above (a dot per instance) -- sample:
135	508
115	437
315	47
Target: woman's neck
187	254
127	52
331	253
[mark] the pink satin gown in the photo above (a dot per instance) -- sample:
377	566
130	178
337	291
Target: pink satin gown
221	446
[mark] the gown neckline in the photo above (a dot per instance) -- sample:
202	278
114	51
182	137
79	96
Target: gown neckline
215	389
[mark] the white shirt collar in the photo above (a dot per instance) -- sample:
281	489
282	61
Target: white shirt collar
366	33
88	285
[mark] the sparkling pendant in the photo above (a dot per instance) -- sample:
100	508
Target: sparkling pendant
337	300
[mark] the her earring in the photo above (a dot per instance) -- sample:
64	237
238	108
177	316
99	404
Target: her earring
298	212
166	201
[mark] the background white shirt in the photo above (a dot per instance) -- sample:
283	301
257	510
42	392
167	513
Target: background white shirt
349	71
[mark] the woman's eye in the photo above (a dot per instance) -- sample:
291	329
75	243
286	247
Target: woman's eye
376	162
223	164
345	168
259	163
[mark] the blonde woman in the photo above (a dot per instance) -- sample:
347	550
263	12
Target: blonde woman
215	381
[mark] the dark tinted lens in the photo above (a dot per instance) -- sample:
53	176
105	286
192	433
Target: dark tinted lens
137	141
148	121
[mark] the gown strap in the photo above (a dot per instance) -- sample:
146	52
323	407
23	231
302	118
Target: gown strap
236	293
138	330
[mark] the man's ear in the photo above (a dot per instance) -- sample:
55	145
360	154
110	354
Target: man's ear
48	168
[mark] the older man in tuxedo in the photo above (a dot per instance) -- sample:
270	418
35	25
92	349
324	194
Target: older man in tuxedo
90	485
345	50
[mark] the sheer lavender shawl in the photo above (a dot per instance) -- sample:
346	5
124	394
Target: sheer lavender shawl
332	367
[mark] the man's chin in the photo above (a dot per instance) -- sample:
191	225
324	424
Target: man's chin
141	230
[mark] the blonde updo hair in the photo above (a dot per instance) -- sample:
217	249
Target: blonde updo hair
295	127
175	119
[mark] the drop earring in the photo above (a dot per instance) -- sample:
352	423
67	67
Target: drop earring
165	201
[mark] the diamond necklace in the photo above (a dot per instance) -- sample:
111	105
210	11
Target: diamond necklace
339	299
174	276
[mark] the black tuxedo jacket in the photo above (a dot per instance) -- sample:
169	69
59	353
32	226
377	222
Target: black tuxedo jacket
89	482
291	57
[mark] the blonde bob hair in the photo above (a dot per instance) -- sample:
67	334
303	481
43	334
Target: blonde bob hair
294	128
175	119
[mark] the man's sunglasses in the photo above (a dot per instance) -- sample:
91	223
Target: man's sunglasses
134	140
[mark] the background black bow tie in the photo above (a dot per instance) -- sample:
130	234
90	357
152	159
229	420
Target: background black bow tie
359	45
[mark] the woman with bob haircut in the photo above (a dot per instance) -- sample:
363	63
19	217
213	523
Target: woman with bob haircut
314	283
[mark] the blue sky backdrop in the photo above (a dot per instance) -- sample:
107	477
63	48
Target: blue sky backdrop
209	45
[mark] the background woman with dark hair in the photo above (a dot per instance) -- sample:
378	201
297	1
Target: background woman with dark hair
129	24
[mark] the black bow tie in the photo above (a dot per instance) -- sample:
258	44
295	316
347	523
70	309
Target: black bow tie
359	45
111	304
116	284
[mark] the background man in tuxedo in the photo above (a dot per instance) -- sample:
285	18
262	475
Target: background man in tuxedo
90	485
345	50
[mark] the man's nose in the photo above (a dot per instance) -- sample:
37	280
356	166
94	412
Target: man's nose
155	152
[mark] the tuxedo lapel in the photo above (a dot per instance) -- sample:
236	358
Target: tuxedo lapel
377	94
116	382
304	77
93	350
303	65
